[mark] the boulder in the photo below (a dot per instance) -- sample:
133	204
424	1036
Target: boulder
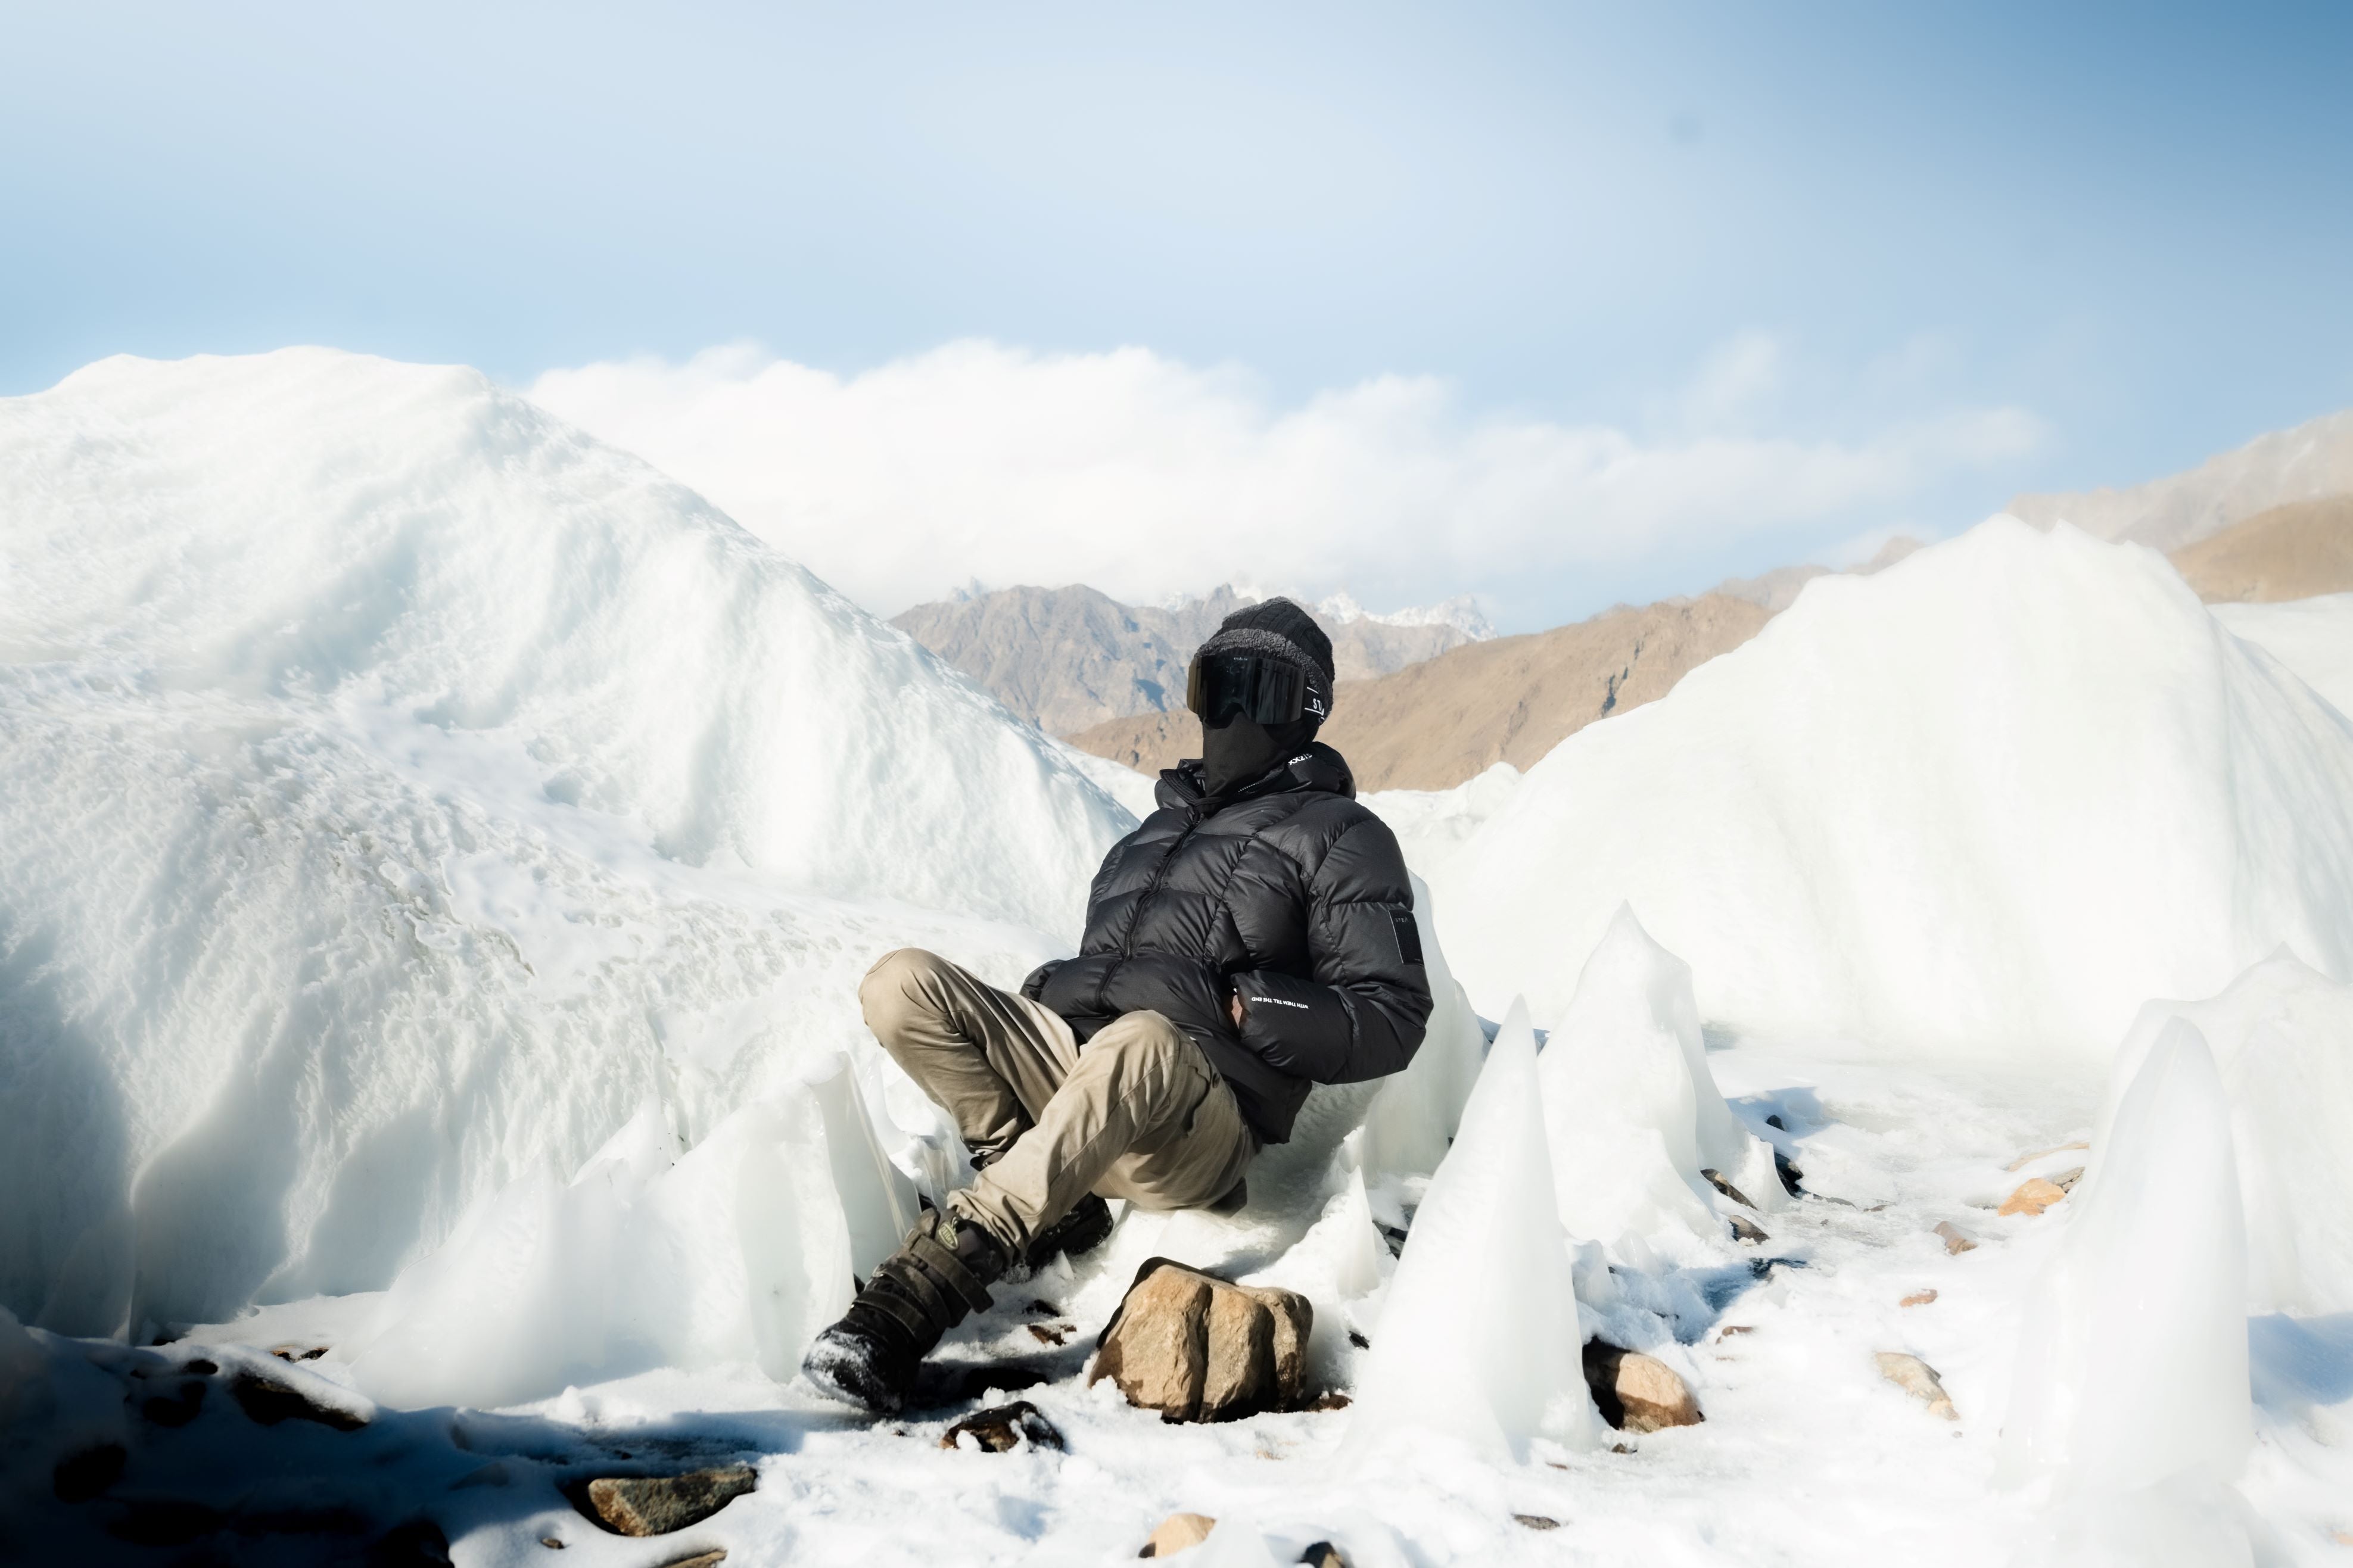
1636	1392
1199	1348
1918	1379
1176	1532
1956	1240
657	1505
2034	1196
1002	1429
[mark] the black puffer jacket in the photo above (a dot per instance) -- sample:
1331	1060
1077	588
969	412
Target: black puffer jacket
1289	892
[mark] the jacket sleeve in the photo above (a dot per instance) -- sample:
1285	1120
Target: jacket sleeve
1362	1014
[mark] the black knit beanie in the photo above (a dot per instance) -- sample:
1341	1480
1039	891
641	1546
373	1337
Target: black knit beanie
1281	629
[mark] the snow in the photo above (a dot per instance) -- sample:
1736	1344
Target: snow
1987	800
1479	1339
2133	1358
438	856
1632	1113
1433	826
2132	1376
2282	1040
2313	637
1133	789
401	792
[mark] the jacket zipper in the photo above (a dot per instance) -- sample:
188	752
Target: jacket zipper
1128	948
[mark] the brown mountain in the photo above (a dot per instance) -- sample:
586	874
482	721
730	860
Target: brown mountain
1511	699
1433	725
2312	461
2291	551
1068	658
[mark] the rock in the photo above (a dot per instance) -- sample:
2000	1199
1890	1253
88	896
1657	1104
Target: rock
1537	1520
657	1505
2034	1196
82	1477
1727	1189
1176	1532
1004	1429
1918	1379
2025	1160
178	1408
1197	1348
1917	1298
1636	1392
2065	1180
1322	1554
270	1403
1747	1229
710	1559
1790	1175
1956	1240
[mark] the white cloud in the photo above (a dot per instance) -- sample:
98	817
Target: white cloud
1144	476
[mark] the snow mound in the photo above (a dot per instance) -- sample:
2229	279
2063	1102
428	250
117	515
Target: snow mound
1478	1338
2132	1366
737	1251
1991	798
1633	1114
1432	825
2313	637
1415	1114
399	791
2282	1038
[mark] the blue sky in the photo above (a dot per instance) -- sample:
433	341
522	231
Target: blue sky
2130	230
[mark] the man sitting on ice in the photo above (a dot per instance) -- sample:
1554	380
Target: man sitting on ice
1254	936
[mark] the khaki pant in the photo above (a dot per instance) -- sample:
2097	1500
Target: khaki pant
1138	1114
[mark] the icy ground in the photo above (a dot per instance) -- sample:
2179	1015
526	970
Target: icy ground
1807	1455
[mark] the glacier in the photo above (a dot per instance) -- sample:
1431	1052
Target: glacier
1989	800
400	792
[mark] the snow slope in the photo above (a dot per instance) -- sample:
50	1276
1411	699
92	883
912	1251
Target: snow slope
1991	798
2313	637
400	791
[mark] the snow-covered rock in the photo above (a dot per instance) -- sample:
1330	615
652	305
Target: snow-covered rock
1632	1112
1478	1338
399	790
1991	798
2132	1362
2282	1038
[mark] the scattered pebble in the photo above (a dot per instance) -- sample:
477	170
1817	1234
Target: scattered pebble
2034	1196
1176	1532
1918	1379
1956	1240
657	1505
1003	1429
1918	1298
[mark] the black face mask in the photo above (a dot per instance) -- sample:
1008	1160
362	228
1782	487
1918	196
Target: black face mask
1242	750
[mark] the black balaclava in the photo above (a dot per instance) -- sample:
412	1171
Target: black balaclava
1241	749
1244	749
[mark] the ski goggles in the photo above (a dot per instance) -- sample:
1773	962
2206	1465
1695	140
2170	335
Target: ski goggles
1228	686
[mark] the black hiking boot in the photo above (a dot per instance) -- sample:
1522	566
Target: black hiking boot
1076	1233
939	1274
